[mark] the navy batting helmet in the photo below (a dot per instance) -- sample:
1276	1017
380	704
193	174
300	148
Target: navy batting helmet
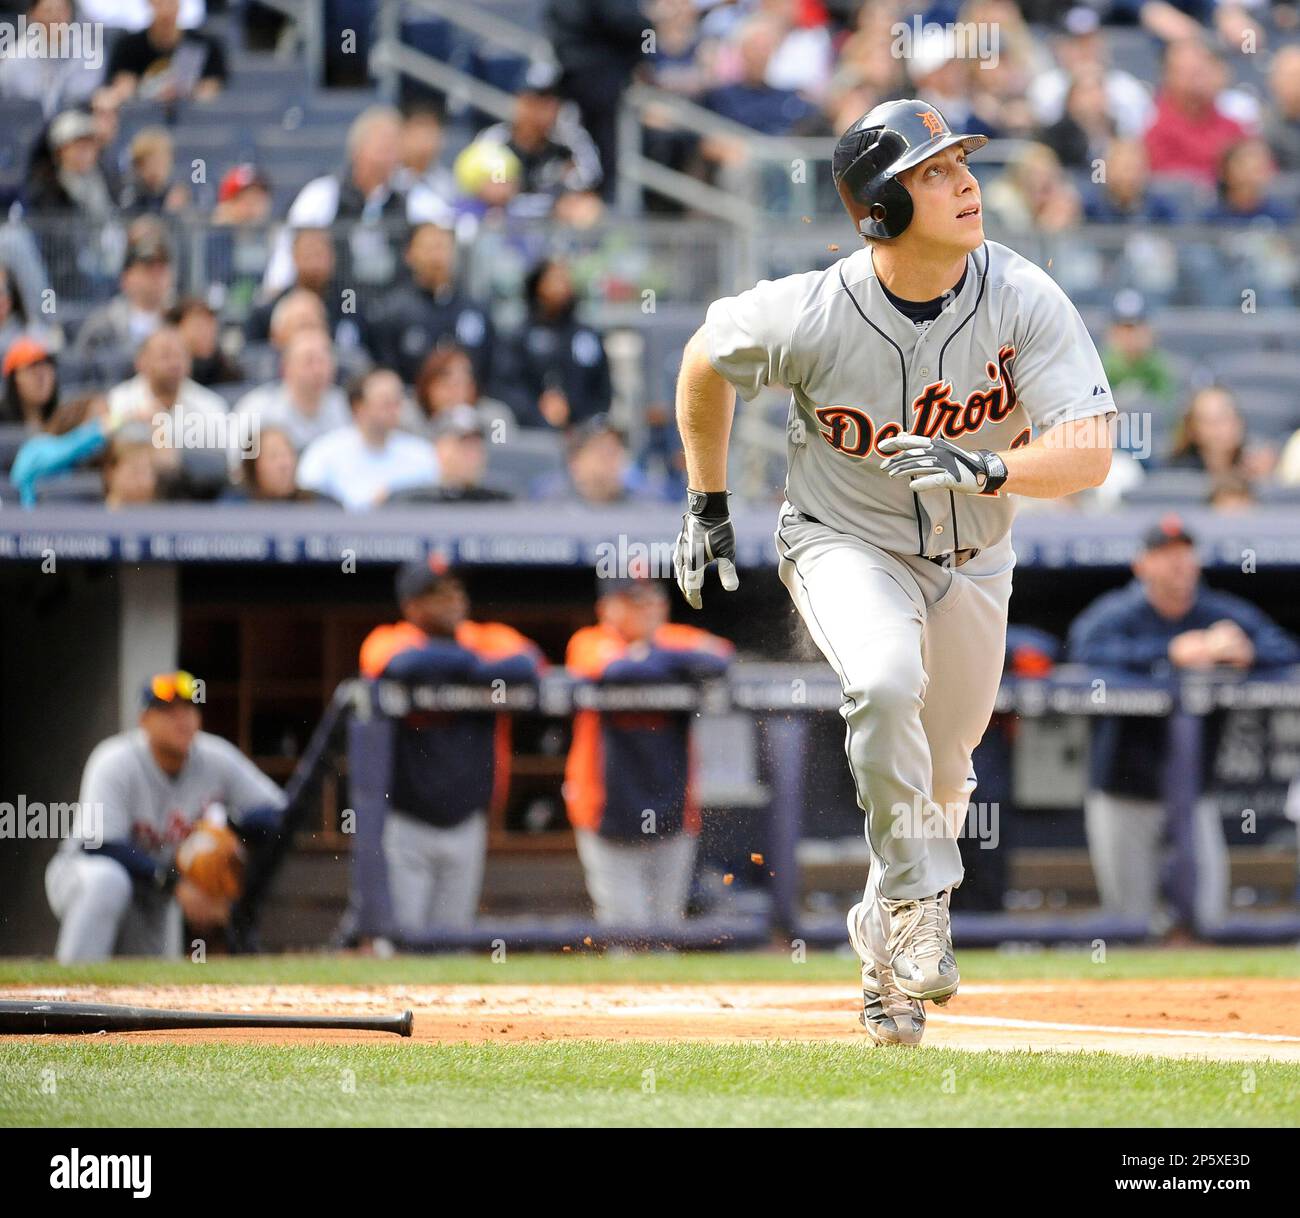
871	154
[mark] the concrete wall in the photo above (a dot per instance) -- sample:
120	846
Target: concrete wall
76	643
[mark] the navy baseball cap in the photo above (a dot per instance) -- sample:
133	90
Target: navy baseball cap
1167	530
416	578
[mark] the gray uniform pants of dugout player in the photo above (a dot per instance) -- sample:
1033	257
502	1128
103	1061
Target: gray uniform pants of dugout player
434	874
101	913
637	883
1124	842
918	649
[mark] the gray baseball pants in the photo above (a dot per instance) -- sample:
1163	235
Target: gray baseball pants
918	649
101	913
434	874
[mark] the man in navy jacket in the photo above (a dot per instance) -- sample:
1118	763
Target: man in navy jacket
1165	620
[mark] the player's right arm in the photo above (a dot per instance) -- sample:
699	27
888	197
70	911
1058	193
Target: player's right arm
706	405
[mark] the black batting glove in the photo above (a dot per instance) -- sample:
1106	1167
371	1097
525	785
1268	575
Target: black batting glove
935	464
707	536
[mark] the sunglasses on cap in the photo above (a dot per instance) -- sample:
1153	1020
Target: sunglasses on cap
170	687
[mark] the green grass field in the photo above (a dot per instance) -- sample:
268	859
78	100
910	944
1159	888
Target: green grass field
86	1082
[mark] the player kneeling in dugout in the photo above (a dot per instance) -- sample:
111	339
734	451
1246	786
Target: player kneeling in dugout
166	816
448	769
627	781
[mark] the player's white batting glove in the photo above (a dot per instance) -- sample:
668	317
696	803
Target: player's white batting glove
935	464
707	535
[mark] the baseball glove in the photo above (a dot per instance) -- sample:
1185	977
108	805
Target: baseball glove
212	859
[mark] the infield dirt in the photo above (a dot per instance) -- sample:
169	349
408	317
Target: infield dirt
1240	1019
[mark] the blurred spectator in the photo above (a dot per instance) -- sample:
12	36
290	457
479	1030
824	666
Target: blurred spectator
269	472
196	322
556	155
1033	194
239	241
1080	48
151	189
77	431
1282	120
162	385
804	57
1133	362
448	770
363	199
599	470
429	311
750	100
447	380
297	310
1191	131
599	44
1246	173
304	404
1126	195
675	61
147	280
558	373
1080	136
58	82
419	167
243	197
73	182
1000	82
488	179
1165	620
627	782
314	266
166	63
939	74
130	473
866	58
13	311
1232	493
1211	436
460	444
362	464
31	384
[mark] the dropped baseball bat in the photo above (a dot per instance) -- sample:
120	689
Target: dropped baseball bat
28	1018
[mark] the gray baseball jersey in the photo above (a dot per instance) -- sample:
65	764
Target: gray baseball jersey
1008	358
139	803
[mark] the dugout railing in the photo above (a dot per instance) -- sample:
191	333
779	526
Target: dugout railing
782	697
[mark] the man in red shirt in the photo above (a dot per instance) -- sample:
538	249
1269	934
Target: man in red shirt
1191	132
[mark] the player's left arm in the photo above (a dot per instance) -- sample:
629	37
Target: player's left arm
1072	456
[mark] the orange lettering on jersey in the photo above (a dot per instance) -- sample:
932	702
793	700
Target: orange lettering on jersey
934	412
851	431
933	123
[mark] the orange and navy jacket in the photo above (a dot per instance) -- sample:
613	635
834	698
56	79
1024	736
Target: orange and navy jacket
448	766
621	763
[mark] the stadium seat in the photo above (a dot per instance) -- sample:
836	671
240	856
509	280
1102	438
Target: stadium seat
80	486
530	454
1182	488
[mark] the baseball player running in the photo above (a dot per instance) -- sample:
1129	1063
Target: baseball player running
933	375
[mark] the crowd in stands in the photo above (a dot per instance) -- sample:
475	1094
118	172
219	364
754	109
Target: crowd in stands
348	357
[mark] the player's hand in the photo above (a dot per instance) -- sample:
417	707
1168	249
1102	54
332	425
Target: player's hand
707	535
935	464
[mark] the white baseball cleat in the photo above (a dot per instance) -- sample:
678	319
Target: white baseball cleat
920	948
888	1016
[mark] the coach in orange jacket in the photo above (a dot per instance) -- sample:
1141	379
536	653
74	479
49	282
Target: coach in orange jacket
448	769
627	783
